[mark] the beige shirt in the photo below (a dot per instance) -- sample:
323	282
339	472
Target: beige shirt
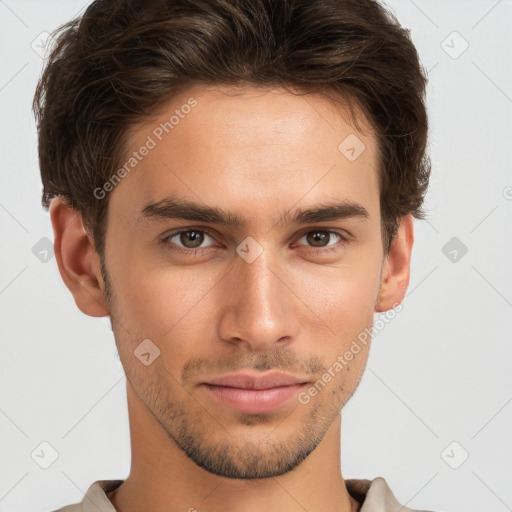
375	495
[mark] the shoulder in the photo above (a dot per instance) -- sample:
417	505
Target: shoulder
75	507
376	496
97	495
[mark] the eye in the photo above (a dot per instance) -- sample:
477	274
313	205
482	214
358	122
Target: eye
321	238
190	239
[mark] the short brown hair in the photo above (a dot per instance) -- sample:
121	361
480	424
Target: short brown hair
112	66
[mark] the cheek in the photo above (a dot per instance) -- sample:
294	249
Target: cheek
157	300
343	298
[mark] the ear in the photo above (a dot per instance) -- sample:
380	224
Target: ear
396	267
78	262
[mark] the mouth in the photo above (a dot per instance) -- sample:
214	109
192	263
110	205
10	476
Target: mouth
254	401
253	392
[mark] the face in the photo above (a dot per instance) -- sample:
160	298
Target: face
275	291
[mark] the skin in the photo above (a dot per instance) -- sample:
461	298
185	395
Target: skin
256	153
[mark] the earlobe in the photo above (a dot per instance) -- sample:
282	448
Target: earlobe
396	267
78	262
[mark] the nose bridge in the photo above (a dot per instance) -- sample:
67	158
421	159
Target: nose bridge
258	280
258	307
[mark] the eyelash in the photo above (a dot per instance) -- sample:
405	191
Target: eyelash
193	252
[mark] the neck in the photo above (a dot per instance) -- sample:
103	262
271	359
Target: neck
162	477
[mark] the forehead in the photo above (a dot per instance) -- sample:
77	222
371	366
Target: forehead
248	147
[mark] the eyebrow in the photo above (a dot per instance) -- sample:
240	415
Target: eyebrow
171	208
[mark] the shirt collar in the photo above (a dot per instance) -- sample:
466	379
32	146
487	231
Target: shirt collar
375	496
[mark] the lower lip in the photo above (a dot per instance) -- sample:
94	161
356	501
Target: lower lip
254	401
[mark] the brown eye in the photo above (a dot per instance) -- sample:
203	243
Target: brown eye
191	239
322	238
318	238
188	239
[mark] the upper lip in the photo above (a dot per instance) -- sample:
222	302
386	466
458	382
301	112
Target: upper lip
252	381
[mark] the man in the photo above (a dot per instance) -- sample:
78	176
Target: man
234	183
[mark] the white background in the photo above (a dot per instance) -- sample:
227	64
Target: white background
438	373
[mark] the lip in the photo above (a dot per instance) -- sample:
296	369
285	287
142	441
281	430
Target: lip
254	381
252	394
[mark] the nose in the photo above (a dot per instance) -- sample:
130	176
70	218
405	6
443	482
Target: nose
259	306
